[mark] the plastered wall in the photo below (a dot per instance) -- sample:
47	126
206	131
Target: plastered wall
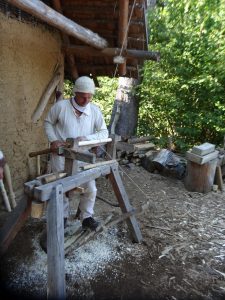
28	55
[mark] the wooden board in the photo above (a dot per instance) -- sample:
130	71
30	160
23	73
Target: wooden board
14	223
43	192
203	149
146	146
201	159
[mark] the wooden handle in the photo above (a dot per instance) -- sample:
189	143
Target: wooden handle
45	151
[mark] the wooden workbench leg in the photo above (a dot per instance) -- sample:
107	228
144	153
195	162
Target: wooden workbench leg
124	203
55	245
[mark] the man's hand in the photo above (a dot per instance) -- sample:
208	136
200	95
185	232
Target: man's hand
80	138
56	144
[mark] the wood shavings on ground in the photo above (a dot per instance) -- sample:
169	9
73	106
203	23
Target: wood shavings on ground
182	255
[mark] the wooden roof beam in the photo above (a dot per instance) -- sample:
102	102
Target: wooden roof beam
50	16
123	30
128	53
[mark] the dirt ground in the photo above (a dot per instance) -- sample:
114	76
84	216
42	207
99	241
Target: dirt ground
181	256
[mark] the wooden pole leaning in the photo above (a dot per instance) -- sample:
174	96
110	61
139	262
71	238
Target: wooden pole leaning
124	203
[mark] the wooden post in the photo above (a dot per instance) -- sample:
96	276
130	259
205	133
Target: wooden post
199	178
123	30
47	14
124	203
111	147
219	177
55	245
8	179
70	58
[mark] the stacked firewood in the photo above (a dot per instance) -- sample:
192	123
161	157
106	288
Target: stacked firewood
130	151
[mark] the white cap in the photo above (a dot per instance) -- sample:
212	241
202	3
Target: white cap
84	84
1	155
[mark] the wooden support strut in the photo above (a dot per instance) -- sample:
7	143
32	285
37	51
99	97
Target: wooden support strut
124	203
69	56
47	14
122	38
128	53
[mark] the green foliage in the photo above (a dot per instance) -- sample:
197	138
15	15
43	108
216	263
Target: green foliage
183	95
104	96
67	89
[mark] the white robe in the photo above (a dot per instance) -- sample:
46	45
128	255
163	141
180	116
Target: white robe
61	123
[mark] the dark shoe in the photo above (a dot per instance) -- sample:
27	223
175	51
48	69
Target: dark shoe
65	223
43	240
90	223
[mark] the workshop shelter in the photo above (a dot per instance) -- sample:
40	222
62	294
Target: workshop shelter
44	42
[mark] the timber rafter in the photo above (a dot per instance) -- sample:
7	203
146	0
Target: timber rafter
94	32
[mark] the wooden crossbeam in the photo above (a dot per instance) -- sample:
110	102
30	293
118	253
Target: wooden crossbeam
43	193
47	14
128	53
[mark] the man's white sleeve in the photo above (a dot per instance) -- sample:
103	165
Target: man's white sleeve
100	130
49	123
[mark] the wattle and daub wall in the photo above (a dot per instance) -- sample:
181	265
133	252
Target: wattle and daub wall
29	53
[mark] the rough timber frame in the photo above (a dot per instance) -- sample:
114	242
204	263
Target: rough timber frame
53	193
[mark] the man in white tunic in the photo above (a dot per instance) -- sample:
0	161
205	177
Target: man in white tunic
80	119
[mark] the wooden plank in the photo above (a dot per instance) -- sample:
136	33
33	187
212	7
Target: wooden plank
203	149
55	245
94	143
201	159
125	146
98	164
140	139
124	203
111	147
147	146
52	17
43	192
14	223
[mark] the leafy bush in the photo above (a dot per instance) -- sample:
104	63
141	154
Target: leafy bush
183	95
